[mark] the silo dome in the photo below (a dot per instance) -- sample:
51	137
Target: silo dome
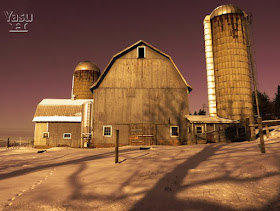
87	65
226	9
85	75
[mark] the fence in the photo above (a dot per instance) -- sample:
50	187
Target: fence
16	142
224	133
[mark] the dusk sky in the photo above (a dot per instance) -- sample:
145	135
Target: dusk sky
40	63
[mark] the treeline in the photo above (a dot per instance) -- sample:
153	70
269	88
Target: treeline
200	112
269	108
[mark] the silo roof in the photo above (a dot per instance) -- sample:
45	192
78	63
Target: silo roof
226	9
87	65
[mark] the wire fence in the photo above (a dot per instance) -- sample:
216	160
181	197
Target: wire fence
16	142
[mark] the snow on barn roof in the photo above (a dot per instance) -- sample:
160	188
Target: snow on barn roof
59	110
208	119
57	119
63	101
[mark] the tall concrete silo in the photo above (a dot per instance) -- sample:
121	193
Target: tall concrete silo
228	63
85	74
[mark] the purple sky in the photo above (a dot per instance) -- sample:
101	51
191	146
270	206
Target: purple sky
39	64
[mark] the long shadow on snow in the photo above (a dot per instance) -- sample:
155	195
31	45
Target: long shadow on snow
75	161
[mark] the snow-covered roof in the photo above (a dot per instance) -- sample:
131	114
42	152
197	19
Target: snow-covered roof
208	119
59	110
57	119
64	101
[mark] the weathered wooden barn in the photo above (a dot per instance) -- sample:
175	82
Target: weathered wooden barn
142	94
58	122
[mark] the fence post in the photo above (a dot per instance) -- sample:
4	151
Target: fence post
267	131
8	143
247	128
117	147
262	147
219	134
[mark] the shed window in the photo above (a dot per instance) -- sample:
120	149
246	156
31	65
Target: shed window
141	52
198	129
107	131
174	131
66	135
46	134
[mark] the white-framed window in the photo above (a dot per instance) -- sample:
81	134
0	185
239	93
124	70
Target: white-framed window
141	52
174	131
107	130
66	135
46	134
198	129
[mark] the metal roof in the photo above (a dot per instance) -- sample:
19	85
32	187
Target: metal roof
64	101
59	110
226	9
208	119
87	65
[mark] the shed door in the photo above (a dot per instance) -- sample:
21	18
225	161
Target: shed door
210	136
142	134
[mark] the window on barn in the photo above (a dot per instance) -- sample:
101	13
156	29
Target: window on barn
141	52
174	131
107	131
198	129
66	135
46	135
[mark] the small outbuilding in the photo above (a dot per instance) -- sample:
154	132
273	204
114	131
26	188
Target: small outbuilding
58	122
205	129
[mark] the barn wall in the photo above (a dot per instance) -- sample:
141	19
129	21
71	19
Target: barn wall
154	71
56	131
141	91
101	141
38	134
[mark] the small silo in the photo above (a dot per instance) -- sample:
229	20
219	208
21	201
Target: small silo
85	74
227	63
86	127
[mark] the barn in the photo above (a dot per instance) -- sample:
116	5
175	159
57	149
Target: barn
142	94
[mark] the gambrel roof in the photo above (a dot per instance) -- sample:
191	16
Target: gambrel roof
135	45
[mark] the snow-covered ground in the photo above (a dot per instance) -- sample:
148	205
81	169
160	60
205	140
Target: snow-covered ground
194	177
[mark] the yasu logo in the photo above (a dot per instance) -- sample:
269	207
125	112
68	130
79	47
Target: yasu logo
18	22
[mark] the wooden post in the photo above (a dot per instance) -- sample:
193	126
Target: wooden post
219	133
262	147
267	131
117	147
236	128
247	128
8	143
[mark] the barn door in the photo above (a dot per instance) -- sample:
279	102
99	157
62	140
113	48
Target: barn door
142	134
